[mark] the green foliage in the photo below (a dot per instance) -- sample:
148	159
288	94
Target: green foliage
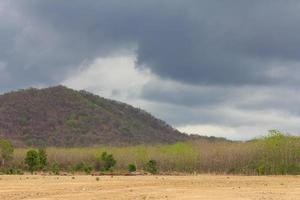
108	160
88	169
11	171
181	155
32	160
131	168
277	153
152	167
42	158
83	167
36	160
6	151
263	169
177	148
55	168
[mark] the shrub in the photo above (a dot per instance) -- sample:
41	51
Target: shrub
87	169
152	166
108	160
55	168
261	170
83	167
79	167
32	160
11	171
36	160
6	151
42	158
131	168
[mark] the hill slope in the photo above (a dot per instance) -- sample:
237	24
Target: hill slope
59	116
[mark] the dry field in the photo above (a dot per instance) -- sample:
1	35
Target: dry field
149	187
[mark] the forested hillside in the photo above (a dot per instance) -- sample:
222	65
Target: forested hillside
59	116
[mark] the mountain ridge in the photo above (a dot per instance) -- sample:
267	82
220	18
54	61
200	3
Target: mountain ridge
60	116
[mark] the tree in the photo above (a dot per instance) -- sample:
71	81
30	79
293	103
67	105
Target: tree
42	158
131	168
32	160
109	161
55	168
151	166
6	151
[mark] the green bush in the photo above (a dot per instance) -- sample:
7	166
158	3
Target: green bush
152	167
131	168
109	161
42	158
79	167
55	168
36	160
261	170
11	171
278	153
32	160
6	151
87	169
83	167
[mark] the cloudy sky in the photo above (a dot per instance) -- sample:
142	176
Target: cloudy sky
225	68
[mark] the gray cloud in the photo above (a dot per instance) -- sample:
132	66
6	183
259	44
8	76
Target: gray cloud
199	42
219	53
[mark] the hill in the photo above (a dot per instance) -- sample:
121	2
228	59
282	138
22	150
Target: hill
59	116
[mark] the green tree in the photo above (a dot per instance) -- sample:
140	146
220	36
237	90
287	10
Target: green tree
109	161
32	160
43	158
131	168
87	168
152	166
6	151
55	168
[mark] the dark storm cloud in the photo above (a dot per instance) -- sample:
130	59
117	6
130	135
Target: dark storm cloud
199	42
187	95
228	60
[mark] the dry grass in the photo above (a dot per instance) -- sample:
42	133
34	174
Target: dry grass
275	154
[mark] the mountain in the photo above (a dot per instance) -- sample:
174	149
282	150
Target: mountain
59	116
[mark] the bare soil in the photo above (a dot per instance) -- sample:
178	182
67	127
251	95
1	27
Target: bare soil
204	187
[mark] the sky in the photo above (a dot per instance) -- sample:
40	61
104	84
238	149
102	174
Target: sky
213	67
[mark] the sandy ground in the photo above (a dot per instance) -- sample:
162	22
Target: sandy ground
149	187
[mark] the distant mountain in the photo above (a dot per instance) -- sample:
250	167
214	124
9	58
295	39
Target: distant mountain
59	116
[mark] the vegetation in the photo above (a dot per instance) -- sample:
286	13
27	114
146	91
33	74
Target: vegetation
42	158
36	160
63	117
55	168
152	166
276	153
32	160
279	155
131	168
108	160
6	151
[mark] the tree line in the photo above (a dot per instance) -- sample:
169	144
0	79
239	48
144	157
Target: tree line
37	160
275	153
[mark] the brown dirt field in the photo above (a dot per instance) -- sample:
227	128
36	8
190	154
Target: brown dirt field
204	187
